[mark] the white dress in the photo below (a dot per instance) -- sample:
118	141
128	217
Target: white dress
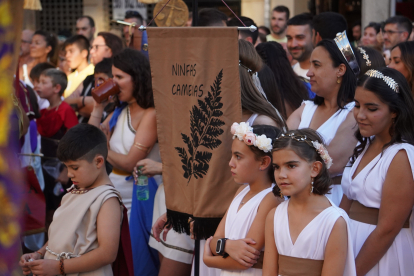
327	130
121	141
366	187
311	242
238	223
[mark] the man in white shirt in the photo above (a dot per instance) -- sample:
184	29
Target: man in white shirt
299	42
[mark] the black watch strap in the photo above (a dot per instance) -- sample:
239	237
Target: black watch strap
221	243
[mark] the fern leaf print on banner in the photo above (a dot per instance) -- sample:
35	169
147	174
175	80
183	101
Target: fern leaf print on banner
205	127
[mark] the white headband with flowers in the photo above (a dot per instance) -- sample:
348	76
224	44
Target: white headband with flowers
244	132
320	148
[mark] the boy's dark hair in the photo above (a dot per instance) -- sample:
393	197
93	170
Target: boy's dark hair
113	42
346	91
305	150
57	77
105	66
270	132
80	41
283	9
38	69
134	14
375	25
82	142
234	22
301	20
266	29
402	22
356	23
211	17
402	103
51	40
136	64
90	20
328	24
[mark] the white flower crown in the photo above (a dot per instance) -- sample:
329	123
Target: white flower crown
244	132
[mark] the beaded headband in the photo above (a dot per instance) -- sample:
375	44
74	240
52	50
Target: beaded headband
388	80
244	132
245	67
365	56
344	46
320	148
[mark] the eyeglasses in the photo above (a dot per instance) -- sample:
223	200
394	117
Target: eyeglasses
97	46
389	32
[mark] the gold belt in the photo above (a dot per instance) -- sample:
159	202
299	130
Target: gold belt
368	215
289	266
120	172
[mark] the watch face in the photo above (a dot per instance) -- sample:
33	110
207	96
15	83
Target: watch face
218	246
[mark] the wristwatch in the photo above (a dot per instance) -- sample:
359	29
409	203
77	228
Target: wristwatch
221	243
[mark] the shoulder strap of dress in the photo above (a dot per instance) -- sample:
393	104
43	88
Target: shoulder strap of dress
307	114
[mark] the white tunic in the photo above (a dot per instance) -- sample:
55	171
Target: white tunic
238	223
311	242
366	187
121	141
327	130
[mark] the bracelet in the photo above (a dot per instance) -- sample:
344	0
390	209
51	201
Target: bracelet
40	253
141	147
61	267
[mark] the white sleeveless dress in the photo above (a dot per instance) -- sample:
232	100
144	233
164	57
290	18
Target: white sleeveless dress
311	242
366	187
327	130
238	224
121	141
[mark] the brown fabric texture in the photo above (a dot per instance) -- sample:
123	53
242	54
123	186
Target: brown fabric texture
289	266
368	215
195	79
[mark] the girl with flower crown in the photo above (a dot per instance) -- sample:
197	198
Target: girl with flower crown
379	186
307	234
237	245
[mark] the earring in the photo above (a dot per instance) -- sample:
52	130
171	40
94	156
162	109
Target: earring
281	195
311	191
338	80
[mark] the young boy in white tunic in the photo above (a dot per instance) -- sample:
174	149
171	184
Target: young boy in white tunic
307	234
238	243
85	232
379	187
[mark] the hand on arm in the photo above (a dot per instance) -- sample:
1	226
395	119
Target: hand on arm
391	216
146	135
159	226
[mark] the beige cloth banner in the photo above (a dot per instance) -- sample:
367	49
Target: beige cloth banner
195	79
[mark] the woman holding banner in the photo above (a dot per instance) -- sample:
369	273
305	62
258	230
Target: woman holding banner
132	134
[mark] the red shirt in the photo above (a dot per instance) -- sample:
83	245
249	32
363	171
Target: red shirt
52	120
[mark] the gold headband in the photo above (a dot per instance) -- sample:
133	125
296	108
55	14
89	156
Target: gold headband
388	80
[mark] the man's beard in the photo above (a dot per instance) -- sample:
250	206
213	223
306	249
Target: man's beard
281	31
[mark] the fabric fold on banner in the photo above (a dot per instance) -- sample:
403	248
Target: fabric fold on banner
196	84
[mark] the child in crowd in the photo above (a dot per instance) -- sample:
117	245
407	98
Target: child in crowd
241	233
55	120
85	232
307	234
34	77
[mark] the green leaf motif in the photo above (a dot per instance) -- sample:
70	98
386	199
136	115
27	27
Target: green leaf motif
205	127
